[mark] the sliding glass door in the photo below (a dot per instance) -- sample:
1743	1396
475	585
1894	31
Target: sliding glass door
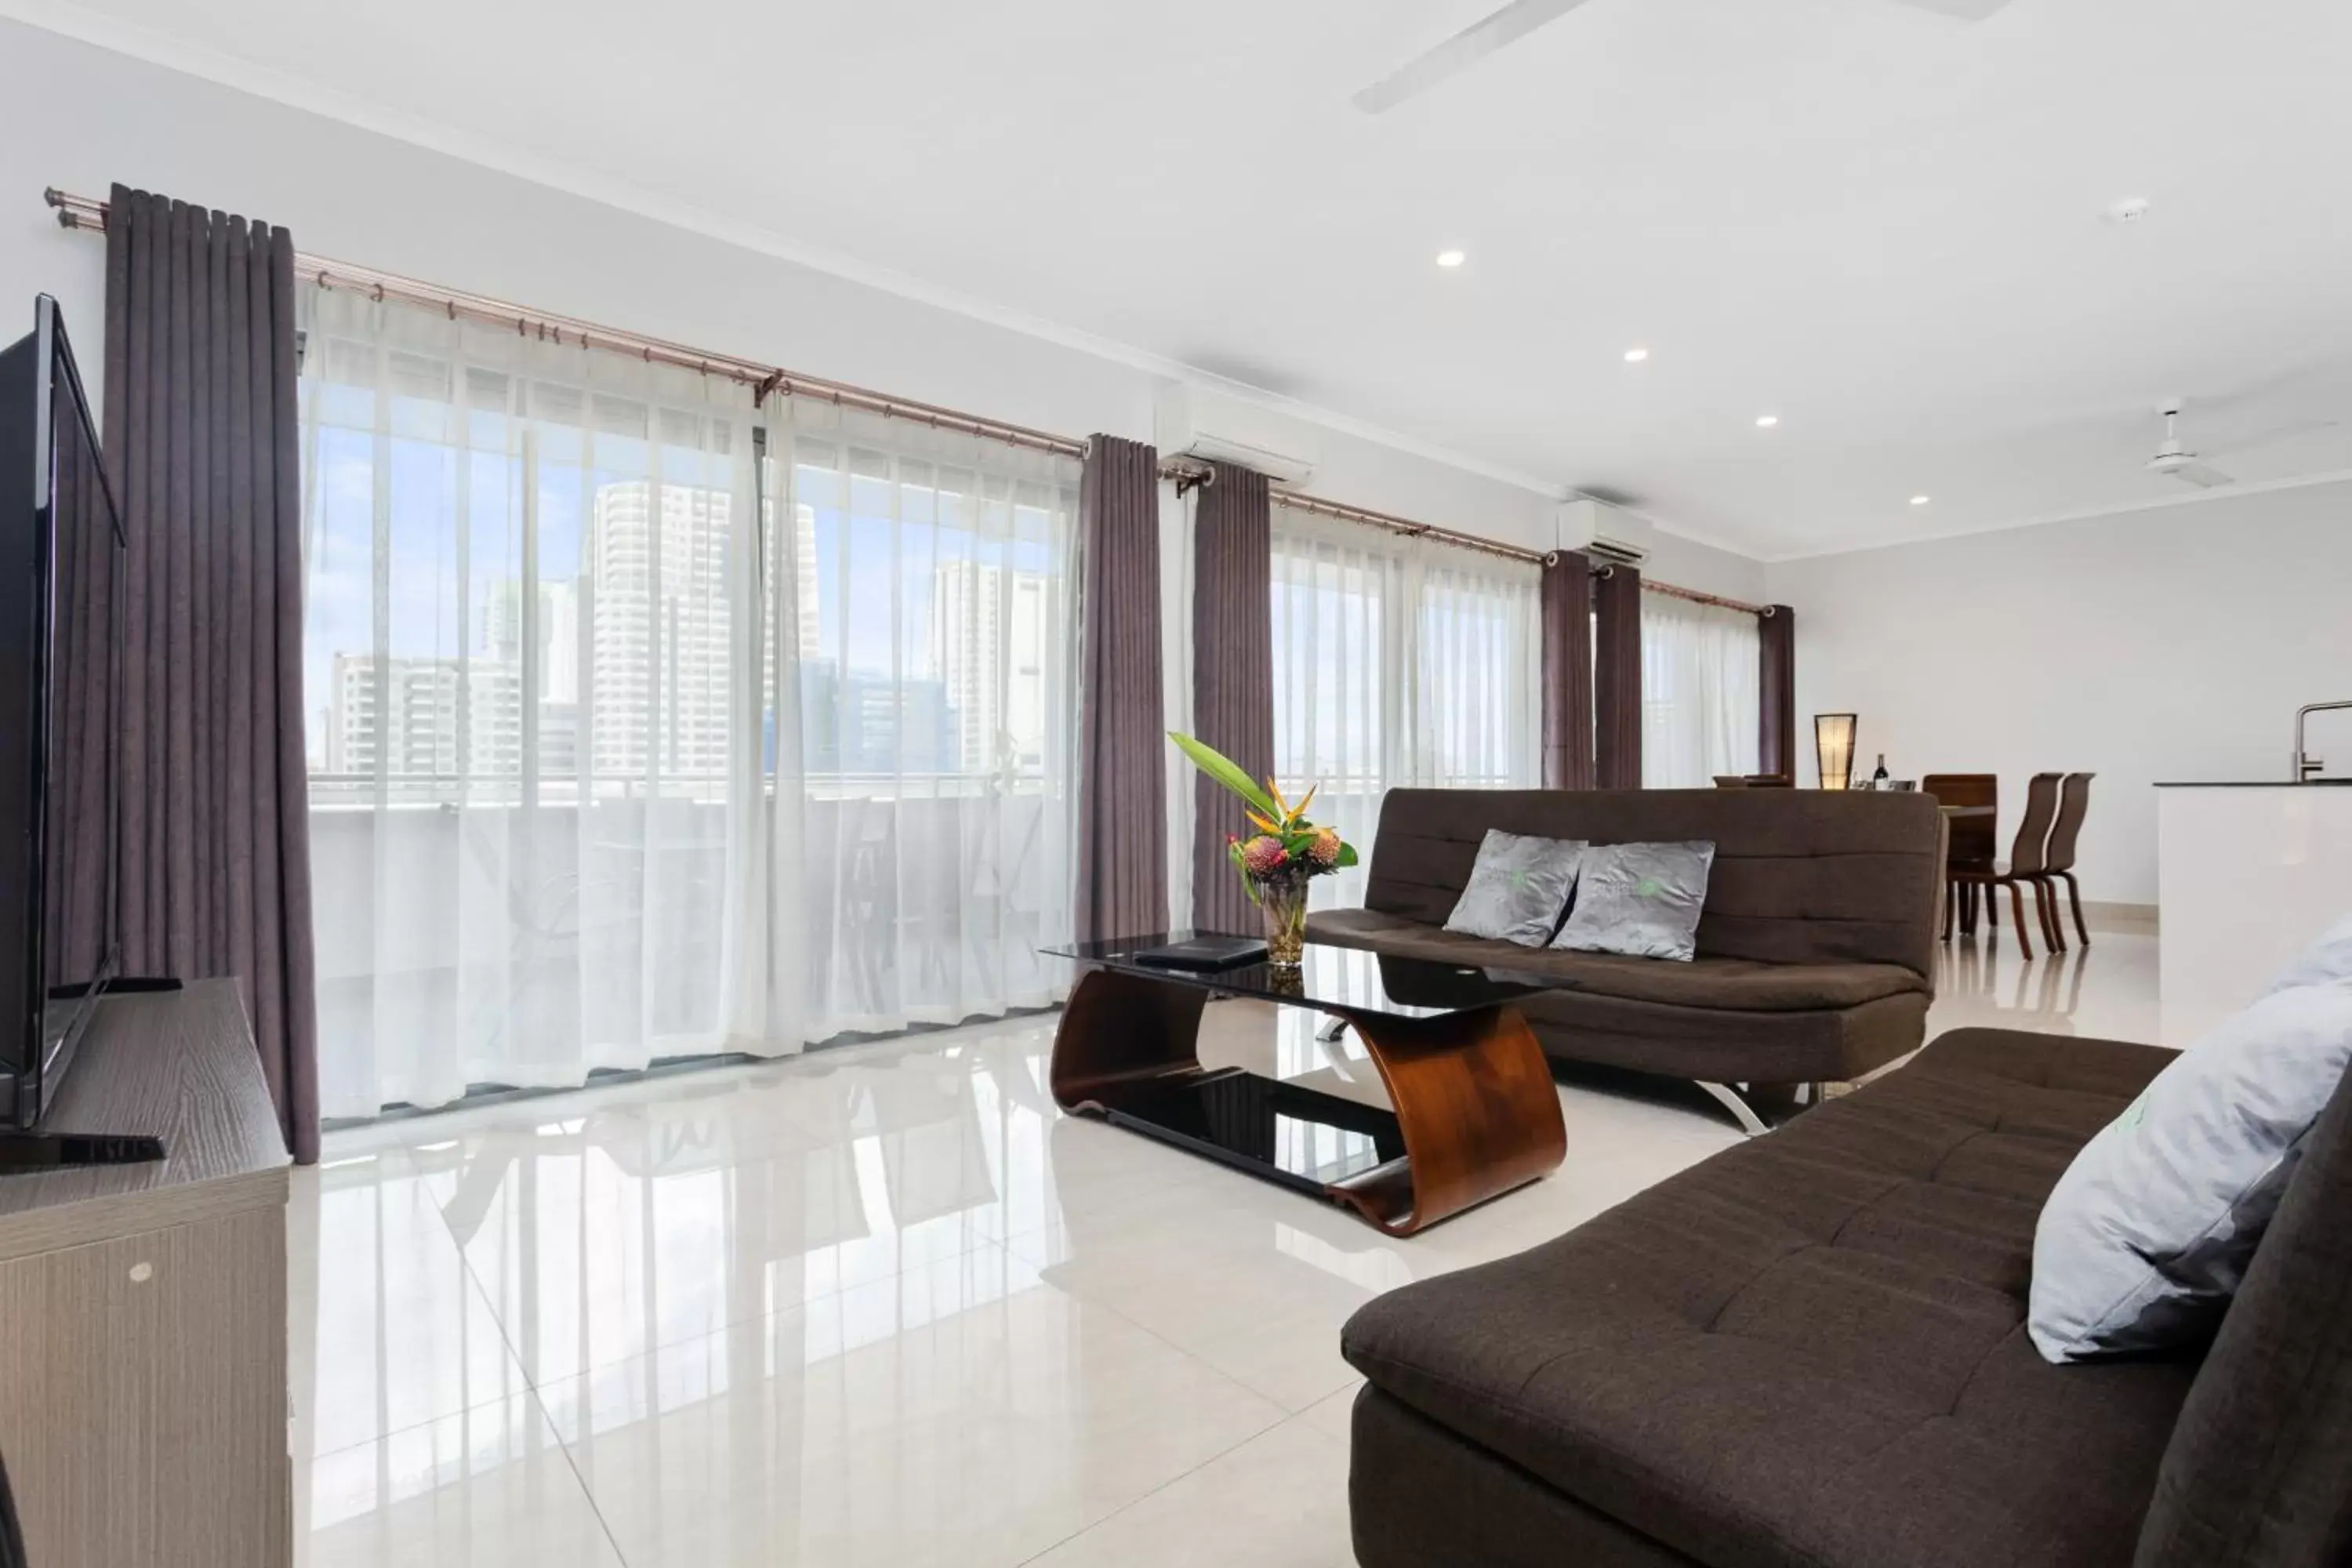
1396	663
602	773
1702	692
933	624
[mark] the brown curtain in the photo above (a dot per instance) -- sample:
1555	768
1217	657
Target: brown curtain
1122	752
1617	678
1568	672
201	444
1776	740
1232	677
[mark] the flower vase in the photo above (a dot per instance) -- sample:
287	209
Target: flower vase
1283	901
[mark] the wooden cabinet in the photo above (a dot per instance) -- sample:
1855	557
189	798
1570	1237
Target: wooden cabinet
143	1309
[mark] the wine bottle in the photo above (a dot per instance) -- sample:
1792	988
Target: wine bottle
1878	779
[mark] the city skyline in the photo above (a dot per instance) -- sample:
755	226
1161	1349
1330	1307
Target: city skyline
919	648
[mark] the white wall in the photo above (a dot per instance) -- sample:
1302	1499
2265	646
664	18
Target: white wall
2174	643
1686	564
79	118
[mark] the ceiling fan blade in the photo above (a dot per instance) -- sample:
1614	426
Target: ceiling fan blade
1965	10
1463	51
2202	475
2278	433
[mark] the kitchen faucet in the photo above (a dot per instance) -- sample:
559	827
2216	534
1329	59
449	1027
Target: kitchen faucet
2306	765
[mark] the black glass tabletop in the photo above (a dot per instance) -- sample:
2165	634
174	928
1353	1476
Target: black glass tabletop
1327	976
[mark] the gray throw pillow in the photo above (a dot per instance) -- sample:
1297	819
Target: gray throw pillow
1517	887
2145	1238
1640	900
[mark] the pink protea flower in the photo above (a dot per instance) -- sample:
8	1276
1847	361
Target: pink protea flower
1325	850
1263	855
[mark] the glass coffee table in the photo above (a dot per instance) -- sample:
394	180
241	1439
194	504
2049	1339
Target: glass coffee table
1474	1110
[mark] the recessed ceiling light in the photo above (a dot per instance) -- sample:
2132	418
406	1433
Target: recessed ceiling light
1450	258
1918	500
1766	421
1635	356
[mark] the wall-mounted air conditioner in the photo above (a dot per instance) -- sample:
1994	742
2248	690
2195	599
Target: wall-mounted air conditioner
1214	427
1609	535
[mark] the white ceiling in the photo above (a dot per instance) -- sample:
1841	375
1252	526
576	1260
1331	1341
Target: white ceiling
1881	224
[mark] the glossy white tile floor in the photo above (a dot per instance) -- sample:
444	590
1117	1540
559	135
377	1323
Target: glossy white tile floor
887	1306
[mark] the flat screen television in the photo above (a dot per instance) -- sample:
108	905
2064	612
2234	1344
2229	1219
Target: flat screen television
61	605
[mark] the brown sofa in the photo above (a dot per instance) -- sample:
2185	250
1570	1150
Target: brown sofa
1809	1351
1816	949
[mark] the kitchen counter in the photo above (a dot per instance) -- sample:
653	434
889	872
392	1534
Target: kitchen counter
2247	875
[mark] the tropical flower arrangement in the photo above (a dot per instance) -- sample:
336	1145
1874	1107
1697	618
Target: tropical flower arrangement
1286	853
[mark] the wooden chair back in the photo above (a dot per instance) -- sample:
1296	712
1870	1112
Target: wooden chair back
1972	837
2073	804
2030	853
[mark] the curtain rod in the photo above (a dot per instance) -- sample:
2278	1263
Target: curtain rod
86	213
1185	473
1188	473
1695	597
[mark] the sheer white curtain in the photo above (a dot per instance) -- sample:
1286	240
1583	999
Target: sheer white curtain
932	623
518	642
602	773
1396	663
1702	691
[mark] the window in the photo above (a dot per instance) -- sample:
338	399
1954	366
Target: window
602	773
1397	663
932	627
1702	693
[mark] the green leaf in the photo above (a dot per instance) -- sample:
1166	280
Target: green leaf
1215	763
1347	856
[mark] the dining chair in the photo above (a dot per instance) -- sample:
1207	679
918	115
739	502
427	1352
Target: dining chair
1971	838
2073	803
2023	867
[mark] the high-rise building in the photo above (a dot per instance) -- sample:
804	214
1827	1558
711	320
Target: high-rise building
658	642
559	633
989	631
439	719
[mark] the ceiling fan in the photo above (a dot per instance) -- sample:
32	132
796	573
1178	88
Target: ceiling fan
2174	460
1517	19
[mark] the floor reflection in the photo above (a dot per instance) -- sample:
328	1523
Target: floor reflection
888	1305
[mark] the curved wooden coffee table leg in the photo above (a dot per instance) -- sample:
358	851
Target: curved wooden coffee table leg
1117	1028
1475	1104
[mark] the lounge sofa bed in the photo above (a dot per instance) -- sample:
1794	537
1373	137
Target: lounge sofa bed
1809	1351
1816	947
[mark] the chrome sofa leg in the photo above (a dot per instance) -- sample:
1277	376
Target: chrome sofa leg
1733	1101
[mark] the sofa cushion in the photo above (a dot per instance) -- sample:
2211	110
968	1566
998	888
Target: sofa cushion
2143	1243
1735	983
1810	1350
1518	889
1642	900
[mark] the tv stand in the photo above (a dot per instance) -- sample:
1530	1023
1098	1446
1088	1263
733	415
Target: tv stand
142	1373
